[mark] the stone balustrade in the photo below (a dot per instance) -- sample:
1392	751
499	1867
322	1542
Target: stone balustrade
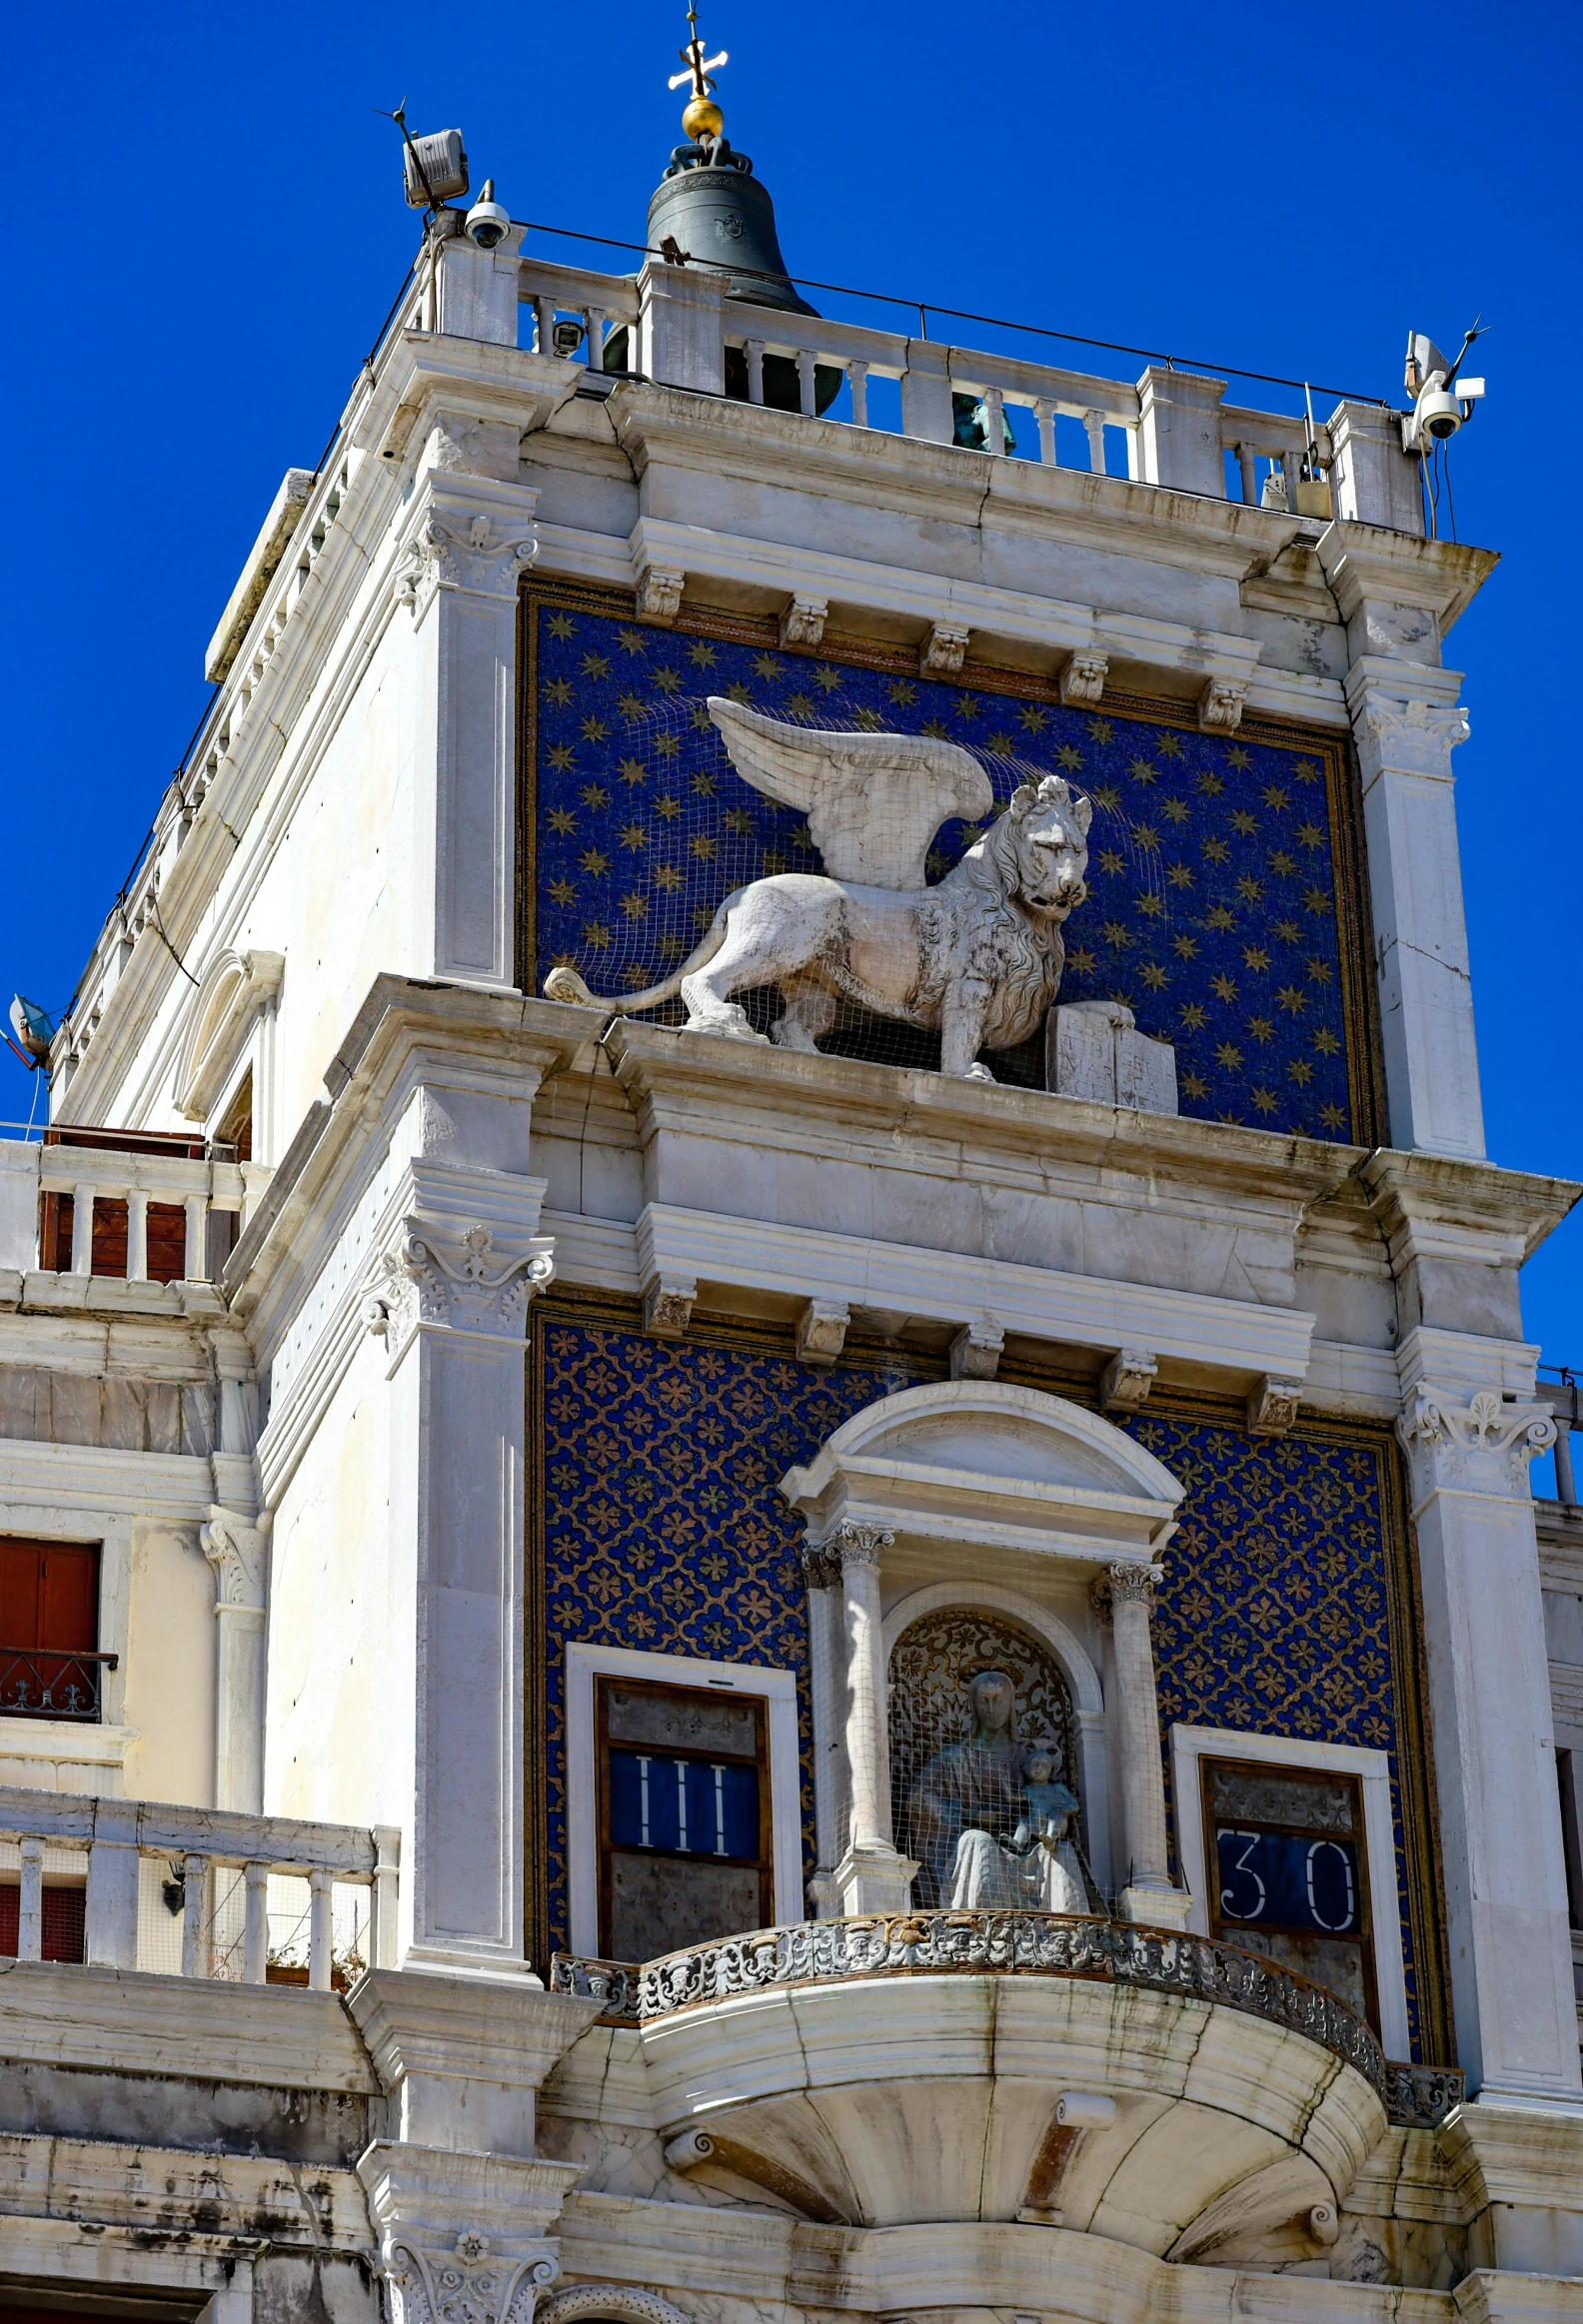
118	1188
1170	428
225	1930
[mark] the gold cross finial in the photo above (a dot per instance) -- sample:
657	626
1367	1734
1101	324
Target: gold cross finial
701	117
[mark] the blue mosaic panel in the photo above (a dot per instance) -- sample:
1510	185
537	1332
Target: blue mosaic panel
662	1529
1212	909
1273	1617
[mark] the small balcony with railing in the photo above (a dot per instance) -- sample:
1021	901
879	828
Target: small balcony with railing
141	1209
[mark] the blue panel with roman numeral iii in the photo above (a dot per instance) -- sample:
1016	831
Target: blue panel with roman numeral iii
700	1807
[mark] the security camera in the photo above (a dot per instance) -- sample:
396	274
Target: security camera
487	222
1442	401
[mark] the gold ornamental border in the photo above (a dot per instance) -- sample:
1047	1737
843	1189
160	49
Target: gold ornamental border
1425	1892
1334	752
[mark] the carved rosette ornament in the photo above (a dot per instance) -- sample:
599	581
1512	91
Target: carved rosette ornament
462	552
459	1283
469	2284
1482	1441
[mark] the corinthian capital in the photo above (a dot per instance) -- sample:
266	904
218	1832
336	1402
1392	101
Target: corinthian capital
1132	1585
434	1275
1484	1440
460	551
469	2284
860	1545
234	1546
1408	736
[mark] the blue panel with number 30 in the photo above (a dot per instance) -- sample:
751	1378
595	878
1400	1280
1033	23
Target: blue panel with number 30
700	1807
1288	1880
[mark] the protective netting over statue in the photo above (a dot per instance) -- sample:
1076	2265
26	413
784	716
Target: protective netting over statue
1211	907
933	1665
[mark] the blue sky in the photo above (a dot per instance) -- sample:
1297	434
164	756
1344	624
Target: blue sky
218	230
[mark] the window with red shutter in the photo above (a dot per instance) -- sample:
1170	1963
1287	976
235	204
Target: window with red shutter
50	1666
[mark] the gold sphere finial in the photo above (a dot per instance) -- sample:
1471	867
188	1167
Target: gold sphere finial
701	117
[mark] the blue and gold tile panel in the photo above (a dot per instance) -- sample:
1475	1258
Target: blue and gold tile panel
1224	904
658	1525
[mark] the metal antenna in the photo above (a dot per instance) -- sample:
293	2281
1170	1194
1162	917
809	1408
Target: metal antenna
400	119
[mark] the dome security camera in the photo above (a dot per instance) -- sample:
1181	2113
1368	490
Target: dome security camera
1438	413
487	222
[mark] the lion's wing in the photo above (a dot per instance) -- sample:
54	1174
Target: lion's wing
874	802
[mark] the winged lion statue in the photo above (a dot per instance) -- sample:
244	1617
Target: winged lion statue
977	958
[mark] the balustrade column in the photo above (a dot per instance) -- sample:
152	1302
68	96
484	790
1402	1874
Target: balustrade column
30	1902
1148	1894
82	1231
137	1236
872	1876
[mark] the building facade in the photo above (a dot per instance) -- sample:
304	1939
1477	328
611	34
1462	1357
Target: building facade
765	1438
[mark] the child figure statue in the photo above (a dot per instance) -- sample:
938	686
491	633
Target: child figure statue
1044	1838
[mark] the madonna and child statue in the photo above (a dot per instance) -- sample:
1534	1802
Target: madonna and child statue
989	1817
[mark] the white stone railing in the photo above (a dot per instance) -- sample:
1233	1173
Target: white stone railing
113	1847
96	1175
1175	428
1562	1398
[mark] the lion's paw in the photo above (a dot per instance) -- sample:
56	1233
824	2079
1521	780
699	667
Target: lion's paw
977	1073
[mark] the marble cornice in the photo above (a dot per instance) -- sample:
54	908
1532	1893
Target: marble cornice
1363	561
1439	1205
477	377
660	426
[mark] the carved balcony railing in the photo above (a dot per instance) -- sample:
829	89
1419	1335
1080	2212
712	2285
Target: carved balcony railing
1015	1945
199	1892
37	1683
126	1205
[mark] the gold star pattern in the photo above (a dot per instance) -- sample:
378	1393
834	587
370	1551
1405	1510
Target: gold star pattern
630	770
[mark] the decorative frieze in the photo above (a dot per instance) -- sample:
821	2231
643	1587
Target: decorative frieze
944	650
1127	1378
821	1331
1083	678
668	1305
659	590
976	1351
1220	706
1272	1407
802	622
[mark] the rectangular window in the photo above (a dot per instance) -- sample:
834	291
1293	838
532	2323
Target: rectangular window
684	1818
62	1939
1288	1872
49	1630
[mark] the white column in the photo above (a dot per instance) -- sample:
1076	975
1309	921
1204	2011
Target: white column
1148	1894
30	1902
1405	737
137	1235
451	1304
82	1231
827	1674
1180	432
872	1876
469	538
195	1265
255	1934
235	1547
1494	1752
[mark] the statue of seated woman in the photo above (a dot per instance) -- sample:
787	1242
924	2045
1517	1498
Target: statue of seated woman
988	1821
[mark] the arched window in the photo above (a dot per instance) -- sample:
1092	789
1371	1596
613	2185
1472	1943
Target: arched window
931	1666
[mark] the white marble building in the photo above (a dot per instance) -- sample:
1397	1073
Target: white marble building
406	1378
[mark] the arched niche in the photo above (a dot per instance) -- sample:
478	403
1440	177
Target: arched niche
1070	1655
975	1493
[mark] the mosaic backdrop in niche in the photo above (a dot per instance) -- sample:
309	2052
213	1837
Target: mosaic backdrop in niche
663	1527
1273	1617
1213	908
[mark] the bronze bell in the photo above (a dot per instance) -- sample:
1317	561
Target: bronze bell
711	207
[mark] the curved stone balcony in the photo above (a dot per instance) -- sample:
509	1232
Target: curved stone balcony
1172	2093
